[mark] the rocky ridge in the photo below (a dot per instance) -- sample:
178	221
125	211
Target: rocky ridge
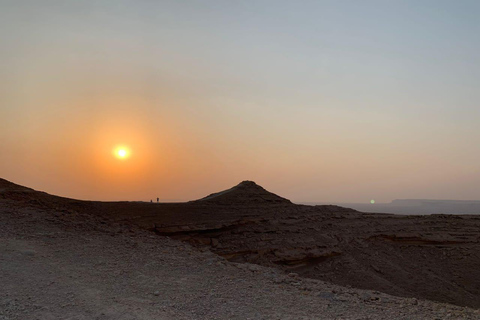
423	257
64	264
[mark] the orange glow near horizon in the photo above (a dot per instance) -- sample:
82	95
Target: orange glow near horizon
313	124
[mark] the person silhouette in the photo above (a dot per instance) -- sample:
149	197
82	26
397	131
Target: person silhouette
158	199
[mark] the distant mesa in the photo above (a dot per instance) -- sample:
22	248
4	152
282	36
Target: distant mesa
245	192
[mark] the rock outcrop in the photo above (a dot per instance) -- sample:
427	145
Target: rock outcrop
245	193
433	257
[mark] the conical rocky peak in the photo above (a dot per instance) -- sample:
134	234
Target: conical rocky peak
246	192
247	184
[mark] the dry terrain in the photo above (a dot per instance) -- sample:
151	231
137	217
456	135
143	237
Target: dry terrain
245	254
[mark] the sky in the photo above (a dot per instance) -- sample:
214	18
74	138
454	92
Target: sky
341	101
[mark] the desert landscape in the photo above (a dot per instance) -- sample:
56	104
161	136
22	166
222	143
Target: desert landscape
241	160
243	253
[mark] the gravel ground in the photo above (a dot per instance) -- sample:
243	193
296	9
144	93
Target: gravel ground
57	265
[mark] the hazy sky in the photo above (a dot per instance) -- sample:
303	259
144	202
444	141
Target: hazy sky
314	100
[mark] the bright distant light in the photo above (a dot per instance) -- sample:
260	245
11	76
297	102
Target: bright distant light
372	201
121	153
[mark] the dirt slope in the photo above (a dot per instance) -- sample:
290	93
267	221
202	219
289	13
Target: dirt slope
67	265
426	257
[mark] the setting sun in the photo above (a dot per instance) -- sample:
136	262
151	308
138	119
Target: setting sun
121	153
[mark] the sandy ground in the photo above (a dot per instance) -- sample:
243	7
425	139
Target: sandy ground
56	265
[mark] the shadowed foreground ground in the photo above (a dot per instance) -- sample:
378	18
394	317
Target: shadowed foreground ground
58	261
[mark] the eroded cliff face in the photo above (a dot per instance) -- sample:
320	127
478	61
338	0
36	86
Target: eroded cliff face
430	257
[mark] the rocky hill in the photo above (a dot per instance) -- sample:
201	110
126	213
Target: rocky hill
425	257
63	264
245	193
